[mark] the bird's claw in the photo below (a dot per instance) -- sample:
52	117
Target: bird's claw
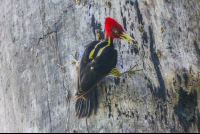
74	62
131	71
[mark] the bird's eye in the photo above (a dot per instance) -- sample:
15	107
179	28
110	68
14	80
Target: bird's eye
116	31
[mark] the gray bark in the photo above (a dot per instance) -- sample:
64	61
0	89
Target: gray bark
164	97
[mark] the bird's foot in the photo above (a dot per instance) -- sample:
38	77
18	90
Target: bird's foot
75	61
75	56
131	71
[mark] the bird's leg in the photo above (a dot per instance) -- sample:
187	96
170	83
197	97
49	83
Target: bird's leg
115	72
55	60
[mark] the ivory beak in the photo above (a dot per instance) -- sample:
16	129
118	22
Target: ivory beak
126	37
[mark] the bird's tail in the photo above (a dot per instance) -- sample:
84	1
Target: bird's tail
86	104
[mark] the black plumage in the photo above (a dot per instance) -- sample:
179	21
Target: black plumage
91	72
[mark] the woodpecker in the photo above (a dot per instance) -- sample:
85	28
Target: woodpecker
98	61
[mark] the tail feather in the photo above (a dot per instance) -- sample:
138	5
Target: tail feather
79	106
89	108
90	105
84	107
81	109
95	103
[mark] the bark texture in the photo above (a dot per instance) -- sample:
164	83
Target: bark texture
37	95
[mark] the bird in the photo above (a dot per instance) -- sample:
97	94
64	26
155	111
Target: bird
98	61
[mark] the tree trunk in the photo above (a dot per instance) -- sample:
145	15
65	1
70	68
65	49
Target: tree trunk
38	79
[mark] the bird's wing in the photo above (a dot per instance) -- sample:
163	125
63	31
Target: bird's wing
96	70
84	61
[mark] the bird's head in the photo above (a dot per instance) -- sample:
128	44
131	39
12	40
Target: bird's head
115	30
